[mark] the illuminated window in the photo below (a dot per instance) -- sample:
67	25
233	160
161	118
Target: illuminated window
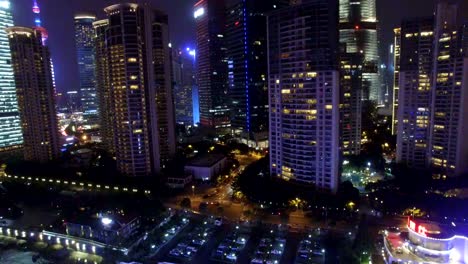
285	91
132	60
443	57
329	107
134	87
311	74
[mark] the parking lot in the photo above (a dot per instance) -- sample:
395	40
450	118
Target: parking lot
208	239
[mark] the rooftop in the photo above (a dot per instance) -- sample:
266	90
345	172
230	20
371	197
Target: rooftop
106	221
206	160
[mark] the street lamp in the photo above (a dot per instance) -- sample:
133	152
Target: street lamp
193	190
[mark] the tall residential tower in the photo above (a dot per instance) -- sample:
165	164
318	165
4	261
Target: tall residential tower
134	70
414	94
449	116
303	85
36	94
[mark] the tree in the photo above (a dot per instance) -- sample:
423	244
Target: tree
220	210
186	203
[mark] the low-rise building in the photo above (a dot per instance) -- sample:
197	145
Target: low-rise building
206	167
179	182
427	242
111	229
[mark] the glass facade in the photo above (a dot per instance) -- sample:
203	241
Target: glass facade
211	65
184	80
84	34
10	129
246	42
358	30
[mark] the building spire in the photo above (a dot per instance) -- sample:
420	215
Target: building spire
38	23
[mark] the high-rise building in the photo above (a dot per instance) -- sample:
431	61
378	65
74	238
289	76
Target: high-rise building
183	63
246	43
36	94
138	67
350	101
433	97
449	116
103	88
212	65
414	93
358	30
303	85
84	41
396	77
10	128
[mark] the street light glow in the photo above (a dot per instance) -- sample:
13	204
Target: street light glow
106	221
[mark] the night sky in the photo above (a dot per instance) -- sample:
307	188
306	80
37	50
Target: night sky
57	17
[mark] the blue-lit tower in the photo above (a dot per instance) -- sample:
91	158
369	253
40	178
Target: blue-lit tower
84	39
38	22
10	129
183	64
246	50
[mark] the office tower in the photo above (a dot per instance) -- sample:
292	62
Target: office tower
211	65
414	94
304	93
396	77
358	29
84	41
449	116
138	68
183	63
10	128
103	88
246	43
36	94
73	101
350	101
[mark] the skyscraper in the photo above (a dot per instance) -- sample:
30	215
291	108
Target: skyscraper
304	93
246	44
414	94
103	88
36	94
433	97
137	63
84	41
396	78
10	128
350	101
212	65
183	62
358	29
449	116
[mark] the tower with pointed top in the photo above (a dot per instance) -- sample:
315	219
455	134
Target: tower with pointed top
38	22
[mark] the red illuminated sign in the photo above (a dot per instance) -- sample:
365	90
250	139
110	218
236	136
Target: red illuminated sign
420	229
